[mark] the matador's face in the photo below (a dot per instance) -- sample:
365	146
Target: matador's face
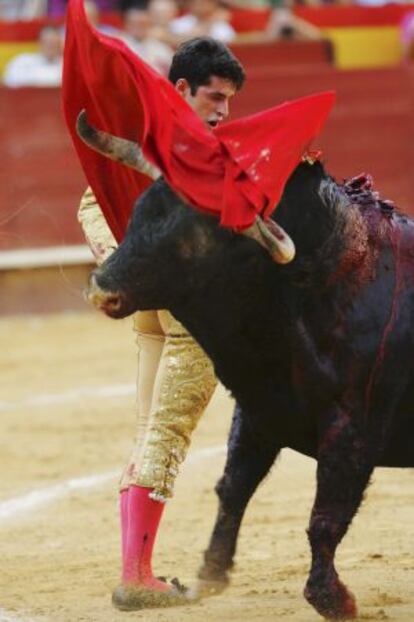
211	101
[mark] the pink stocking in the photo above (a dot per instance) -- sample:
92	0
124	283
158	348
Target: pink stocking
123	510
139	529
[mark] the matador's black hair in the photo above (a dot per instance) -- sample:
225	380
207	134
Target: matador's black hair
198	59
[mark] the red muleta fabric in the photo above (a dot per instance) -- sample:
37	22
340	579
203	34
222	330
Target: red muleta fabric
235	173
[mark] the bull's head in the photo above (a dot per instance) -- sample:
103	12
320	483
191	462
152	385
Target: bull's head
167	245
169	249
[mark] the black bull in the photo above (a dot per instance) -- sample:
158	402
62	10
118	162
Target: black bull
318	353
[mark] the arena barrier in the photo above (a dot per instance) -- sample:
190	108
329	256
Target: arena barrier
370	129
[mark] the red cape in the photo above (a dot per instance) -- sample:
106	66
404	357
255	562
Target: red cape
235	172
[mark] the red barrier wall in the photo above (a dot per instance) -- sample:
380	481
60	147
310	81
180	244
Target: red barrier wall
40	179
330	16
371	129
270	56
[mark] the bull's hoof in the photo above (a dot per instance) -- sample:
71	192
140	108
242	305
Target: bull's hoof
134	598
333	601
209	587
211	581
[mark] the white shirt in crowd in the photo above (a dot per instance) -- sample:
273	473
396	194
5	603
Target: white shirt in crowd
33	70
154	52
22	9
220	30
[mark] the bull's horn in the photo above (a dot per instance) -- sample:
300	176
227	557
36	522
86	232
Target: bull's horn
119	149
273	238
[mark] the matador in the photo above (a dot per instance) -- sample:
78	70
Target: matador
175	378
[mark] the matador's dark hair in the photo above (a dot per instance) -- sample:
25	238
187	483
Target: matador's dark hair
198	59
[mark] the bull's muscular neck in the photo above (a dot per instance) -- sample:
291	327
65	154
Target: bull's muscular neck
255	316
313	212
248	317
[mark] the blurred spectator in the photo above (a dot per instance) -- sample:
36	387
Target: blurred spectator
407	35
125	5
43	68
284	24
372	2
162	13
22	9
93	14
138	36
204	17
57	8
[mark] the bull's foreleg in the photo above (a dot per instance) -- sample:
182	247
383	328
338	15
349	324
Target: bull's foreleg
247	464
344	469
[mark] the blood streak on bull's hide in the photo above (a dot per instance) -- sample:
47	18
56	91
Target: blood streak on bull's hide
366	233
395	235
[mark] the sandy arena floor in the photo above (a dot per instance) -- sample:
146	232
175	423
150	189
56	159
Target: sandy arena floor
66	419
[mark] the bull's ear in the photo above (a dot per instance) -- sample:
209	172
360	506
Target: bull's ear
273	238
118	149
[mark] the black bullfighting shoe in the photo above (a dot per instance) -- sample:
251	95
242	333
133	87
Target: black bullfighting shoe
127	597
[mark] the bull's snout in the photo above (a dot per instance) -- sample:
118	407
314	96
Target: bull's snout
109	302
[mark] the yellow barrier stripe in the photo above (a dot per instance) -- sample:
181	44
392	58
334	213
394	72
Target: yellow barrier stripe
365	46
8	50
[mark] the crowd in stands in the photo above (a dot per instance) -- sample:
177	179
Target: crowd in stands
42	68
30	9
150	28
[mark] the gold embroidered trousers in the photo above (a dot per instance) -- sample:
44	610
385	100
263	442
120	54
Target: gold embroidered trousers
175	381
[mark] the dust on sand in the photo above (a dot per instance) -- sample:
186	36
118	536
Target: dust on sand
60	561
